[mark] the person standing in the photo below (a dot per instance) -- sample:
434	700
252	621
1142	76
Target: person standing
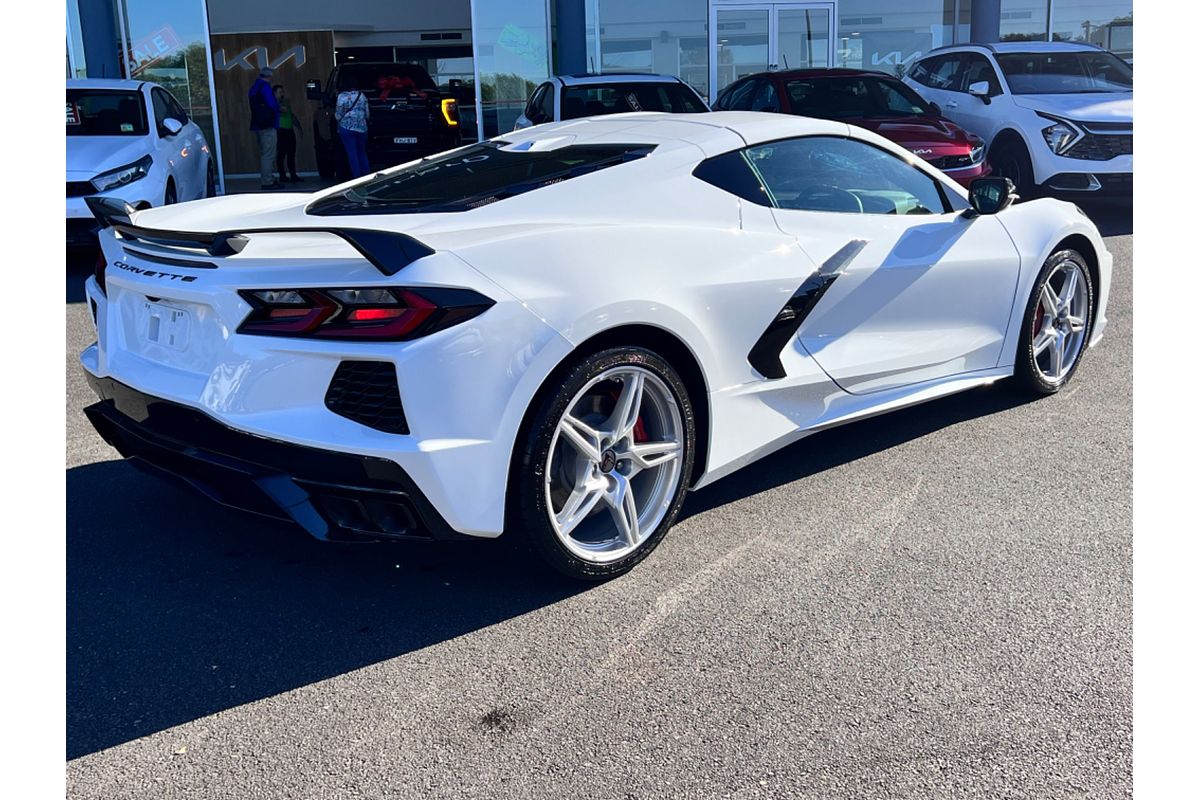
289	129
264	121
352	114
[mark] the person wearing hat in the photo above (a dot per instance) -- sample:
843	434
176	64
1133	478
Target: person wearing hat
264	121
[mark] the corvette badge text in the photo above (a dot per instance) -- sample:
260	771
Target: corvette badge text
150	273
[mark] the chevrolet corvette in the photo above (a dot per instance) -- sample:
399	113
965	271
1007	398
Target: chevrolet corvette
554	334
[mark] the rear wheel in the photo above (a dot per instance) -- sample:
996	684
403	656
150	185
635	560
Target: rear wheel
604	465
169	197
1057	324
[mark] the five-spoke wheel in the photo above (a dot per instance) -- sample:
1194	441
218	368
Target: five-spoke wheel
1057	323
612	449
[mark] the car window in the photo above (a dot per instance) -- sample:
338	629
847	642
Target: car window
739	96
765	97
162	110
474	176
920	71
945	75
823	173
1065	73
860	96
546	104
105	112
595	99
976	68
534	111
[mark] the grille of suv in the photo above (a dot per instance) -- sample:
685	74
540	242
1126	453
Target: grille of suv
366	392
1098	147
951	162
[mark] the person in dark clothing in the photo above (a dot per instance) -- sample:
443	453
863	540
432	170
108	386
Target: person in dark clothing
289	129
264	121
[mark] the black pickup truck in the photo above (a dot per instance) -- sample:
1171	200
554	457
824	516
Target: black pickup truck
409	116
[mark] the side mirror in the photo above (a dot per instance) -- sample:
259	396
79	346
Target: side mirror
172	126
312	89
990	195
982	90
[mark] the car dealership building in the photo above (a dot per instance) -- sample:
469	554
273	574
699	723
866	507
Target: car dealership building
491	53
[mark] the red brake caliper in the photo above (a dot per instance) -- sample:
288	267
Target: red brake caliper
639	427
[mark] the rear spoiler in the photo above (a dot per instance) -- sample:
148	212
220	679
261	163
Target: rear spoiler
388	252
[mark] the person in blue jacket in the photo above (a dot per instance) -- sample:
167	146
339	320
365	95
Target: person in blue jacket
264	122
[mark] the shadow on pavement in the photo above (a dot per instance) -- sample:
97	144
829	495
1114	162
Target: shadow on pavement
177	609
1112	217
81	261
837	446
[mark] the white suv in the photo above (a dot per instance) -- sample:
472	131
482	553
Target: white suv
1055	115
574	96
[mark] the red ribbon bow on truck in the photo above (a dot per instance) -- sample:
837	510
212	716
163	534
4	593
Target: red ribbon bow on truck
390	83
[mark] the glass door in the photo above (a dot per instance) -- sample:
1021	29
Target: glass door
759	37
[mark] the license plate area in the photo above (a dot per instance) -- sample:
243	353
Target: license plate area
405	140
166	325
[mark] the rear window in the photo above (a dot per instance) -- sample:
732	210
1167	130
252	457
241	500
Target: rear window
372	78
474	176
836	98
99	112
593	100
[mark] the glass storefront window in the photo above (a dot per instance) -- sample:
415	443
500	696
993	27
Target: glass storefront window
512	56
1109	25
888	36
167	44
1023	20
669	37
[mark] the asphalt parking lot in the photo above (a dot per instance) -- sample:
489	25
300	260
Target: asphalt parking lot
933	603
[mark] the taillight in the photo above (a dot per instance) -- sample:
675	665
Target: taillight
450	111
98	271
368	313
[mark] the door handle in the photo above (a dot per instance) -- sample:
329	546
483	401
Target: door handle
951	104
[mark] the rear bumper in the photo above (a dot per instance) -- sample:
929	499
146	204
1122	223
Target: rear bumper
1112	184
333	496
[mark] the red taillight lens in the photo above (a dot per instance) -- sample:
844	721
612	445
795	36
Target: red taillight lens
370	313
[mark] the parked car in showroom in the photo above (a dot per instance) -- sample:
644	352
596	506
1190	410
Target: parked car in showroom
410	117
130	140
1055	115
872	100
554	334
575	96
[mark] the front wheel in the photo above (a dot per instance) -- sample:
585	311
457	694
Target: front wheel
1011	160
1057	324
604	465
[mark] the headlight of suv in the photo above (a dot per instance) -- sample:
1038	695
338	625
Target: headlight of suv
1060	136
123	175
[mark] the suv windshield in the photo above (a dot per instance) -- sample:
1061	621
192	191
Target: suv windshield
860	96
372	78
591	100
474	176
105	112
1065	73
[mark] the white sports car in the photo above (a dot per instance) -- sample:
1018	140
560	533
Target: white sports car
554	334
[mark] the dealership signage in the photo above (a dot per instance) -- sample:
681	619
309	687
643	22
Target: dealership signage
152	48
260	59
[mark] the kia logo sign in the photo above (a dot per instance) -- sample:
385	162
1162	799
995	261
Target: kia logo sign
260	59
923	152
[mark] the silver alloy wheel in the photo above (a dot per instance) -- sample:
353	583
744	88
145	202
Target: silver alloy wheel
615	463
1060	321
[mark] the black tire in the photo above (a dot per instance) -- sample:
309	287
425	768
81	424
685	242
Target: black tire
1010	159
1027	375
169	196
528	517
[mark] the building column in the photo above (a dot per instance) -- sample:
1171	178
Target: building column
101	44
571	35
985	21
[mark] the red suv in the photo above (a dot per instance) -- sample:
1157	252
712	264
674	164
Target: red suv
872	100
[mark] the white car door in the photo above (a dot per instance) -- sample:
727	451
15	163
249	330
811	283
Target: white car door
979	115
908	291
179	152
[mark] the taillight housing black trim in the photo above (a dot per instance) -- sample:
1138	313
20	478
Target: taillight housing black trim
397	314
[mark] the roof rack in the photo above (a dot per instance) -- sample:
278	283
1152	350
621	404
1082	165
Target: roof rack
984	45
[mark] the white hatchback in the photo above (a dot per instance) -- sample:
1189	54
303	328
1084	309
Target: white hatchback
1055	115
133	141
